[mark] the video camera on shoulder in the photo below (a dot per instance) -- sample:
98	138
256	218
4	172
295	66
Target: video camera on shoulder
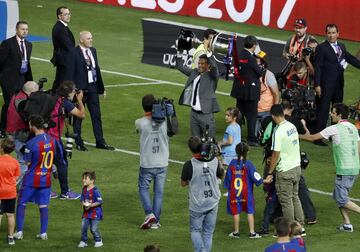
209	148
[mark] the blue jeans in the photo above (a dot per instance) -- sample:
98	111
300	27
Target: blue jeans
146	175
259	118
93	229
202	227
20	158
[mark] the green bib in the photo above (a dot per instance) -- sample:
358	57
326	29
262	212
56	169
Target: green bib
346	154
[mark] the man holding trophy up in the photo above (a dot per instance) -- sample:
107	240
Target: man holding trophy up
199	92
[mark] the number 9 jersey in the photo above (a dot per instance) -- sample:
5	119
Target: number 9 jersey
39	153
239	180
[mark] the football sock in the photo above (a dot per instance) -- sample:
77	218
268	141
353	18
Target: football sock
20	217
44	219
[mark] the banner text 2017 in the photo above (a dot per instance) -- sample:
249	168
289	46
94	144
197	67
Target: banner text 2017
279	14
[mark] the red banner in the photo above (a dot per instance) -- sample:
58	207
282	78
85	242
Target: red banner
279	14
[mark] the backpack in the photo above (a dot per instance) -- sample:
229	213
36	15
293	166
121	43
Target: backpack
40	103
164	109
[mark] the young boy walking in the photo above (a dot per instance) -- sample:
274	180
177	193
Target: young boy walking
92	201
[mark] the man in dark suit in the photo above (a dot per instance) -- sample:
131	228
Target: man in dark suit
330	62
199	94
246	87
83	69
63	42
15	68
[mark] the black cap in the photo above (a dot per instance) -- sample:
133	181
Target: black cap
300	22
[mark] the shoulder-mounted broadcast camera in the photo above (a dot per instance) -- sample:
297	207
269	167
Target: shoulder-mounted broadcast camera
209	148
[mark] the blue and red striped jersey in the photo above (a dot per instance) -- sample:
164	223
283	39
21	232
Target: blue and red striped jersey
239	180
93	195
285	247
39	153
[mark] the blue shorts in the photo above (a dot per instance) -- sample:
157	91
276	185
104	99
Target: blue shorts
39	196
343	185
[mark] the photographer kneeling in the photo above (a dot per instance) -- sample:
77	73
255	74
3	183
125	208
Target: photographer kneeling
64	107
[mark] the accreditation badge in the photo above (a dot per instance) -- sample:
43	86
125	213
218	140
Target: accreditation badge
24	66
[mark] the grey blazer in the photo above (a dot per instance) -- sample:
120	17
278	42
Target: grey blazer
207	89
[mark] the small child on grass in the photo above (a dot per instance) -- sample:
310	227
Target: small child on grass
240	178
92	201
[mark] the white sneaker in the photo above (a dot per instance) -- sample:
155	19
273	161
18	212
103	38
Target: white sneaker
155	225
346	228
42	236
18	235
82	244
234	235
98	244
150	218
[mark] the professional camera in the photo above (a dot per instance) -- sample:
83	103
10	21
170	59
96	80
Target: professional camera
209	148
41	82
307	51
354	110
70	139
303	100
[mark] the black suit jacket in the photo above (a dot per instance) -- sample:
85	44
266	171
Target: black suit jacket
63	42
10	64
328	71
76	70
248	88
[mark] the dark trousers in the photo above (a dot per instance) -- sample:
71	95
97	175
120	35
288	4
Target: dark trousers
61	163
91	100
8	92
271	211
248	110
306	203
329	96
59	77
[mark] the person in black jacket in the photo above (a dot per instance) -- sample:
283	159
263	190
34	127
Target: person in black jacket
246	87
330	62
84	70
15	68
63	42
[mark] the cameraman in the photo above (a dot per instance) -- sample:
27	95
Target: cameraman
201	175
154	161
66	93
297	42
16	126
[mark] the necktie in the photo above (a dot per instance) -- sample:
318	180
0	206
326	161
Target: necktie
195	92
22	48
88	55
338	51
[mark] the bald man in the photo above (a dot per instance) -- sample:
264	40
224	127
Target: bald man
16	127
84	70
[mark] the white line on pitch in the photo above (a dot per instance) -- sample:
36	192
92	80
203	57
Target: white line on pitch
137	77
181	163
135	84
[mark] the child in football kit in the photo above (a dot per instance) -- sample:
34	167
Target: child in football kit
9	172
296	231
240	177
91	200
36	186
